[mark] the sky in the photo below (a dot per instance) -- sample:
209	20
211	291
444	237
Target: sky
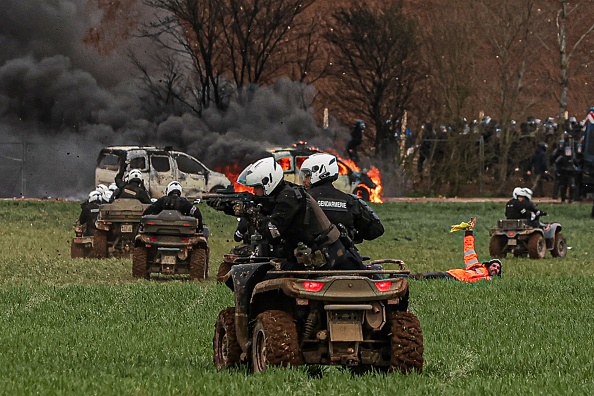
61	102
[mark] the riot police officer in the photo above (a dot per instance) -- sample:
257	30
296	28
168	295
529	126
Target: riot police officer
174	201
567	167
557	152
538	164
350	213
89	212
295	220
133	187
522	207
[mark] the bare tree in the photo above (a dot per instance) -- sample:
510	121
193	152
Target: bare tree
187	33
582	30
507	30
373	71
451	54
254	33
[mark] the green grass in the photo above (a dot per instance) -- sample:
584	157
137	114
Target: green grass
75	326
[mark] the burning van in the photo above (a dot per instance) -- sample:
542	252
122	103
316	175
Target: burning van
350	179
159	166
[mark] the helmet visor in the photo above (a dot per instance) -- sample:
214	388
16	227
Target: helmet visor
303	174
246	177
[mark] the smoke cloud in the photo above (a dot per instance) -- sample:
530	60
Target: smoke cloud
61	101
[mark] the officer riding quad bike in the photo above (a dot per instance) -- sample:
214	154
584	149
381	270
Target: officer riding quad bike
331	317
516	237
81	245
168	243
116	227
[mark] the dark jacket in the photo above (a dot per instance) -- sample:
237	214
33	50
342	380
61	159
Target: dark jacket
295	217
538	162
354	214
175	202
133	189
88	215
524	209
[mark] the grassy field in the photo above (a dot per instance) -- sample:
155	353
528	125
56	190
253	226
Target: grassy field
75	326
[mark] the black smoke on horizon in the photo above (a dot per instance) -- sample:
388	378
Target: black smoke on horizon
60	102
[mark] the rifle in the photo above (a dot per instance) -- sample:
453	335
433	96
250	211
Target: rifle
248	206
230	202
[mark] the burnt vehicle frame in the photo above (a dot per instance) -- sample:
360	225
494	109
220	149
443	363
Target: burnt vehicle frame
349	180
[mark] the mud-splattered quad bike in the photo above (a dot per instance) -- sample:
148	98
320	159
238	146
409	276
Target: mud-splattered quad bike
168	243
519	239
116	227
336	318
81	245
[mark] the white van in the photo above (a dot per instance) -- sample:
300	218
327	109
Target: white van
159	166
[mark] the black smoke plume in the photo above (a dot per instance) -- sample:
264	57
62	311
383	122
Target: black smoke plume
61	102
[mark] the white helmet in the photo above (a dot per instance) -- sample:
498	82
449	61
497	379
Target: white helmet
525	192
320	166
106	195
516	192
113	187
265	172
173	186
135	174
95	196
101	188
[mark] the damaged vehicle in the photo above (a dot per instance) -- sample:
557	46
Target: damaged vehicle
353	319
159	166
349	180
168	243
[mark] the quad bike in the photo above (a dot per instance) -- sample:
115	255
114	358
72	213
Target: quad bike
81	245
518	238
331	317
168	243
116	228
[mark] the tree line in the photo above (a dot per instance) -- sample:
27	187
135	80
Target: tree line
392	63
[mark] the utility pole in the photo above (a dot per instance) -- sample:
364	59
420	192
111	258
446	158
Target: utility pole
23	180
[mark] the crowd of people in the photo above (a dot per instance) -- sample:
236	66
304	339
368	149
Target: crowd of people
557	150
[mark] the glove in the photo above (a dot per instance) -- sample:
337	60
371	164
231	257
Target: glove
460	227
542	213
215	203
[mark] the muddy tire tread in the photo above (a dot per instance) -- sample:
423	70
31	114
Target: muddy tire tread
406	343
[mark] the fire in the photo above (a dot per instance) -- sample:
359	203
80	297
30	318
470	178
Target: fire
375	194
373	173
232	172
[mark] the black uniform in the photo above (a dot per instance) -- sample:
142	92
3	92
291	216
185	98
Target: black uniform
88	215
133	189
538	163
359	220
524	209
174	201
295	217
355	142
556	154
567	167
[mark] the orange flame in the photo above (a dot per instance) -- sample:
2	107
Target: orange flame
373	173
375	194
232	172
